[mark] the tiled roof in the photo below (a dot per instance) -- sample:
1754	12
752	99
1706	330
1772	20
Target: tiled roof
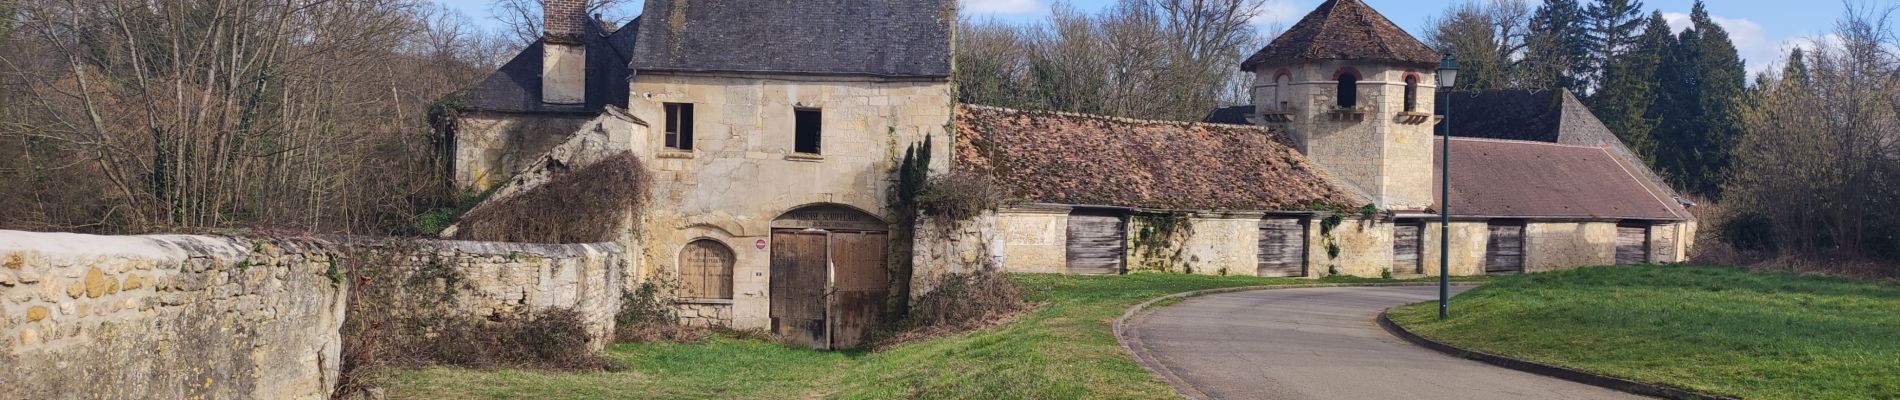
1343	30
1506	178
1548	116
1080	159
883	38
516	86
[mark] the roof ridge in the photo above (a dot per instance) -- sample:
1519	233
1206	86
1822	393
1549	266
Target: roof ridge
1492	140
1110	117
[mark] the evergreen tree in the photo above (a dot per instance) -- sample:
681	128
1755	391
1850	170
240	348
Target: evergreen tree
1614	26
1703	83
1557	47
1796	70
1629	91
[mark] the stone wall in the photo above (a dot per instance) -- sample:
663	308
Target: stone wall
953	247
1467	247
1550	246
491	147
707	313
1034	239
218	317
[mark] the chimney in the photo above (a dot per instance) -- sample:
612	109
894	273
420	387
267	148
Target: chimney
563	54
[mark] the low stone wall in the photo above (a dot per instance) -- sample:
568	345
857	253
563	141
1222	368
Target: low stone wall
953	247
1035	240
217	317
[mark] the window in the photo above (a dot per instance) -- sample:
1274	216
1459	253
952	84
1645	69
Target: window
706	270
1282	94
1348	90
679	126
809	125
1411	93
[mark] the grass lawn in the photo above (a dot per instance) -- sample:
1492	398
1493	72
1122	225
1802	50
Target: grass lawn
1063	350
1714	330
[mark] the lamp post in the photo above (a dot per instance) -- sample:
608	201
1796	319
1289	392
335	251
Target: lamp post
1447	77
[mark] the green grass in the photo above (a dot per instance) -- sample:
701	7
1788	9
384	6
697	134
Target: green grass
1063	350
1714	330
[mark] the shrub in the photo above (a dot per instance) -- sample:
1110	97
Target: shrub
962	302
959	196
588	205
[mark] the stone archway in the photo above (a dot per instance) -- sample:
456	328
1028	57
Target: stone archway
828	284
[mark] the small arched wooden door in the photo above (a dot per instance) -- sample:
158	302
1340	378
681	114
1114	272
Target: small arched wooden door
829	283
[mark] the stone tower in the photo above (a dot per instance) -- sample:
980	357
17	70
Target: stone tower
1355	93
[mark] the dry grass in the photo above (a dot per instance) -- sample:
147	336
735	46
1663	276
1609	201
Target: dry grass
962	303
588	205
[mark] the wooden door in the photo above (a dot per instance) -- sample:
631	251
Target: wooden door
1282	248
860	286
1096	244
1504	253
1632	244
706	270
798	287
1407	240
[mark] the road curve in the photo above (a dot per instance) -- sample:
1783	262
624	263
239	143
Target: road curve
1321	343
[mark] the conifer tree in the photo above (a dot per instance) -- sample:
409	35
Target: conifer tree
1614	27
1703	84
1629	91
1556	47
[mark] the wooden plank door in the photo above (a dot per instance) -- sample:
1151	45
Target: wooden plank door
1407	241
798	287
1632	244
860	286
1504	253
1096	244
1282	248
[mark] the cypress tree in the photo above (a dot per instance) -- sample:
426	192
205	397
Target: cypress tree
1629	92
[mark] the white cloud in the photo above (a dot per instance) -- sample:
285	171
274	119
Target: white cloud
1004	6
1751	41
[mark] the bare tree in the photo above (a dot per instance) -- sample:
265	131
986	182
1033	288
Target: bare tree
1487	36
523	17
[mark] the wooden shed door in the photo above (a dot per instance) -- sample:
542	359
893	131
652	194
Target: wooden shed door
861	286
1504	253
1282	248
1632	244
1095	244
1407	239
798	287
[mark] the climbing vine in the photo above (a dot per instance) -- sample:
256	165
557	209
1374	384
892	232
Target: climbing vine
1158	243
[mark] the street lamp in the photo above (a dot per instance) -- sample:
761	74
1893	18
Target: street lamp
1447	78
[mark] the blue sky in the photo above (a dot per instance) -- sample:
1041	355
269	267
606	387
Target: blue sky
1762	29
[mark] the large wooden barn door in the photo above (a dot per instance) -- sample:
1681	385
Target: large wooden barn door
1632	244
798	286
861	285
1504	253
1096	244
1407	239
1282	248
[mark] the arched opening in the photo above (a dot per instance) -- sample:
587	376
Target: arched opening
1348	93
1411	93
706	270
828	284
1281	93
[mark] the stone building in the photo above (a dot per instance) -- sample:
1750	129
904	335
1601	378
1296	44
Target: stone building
771	130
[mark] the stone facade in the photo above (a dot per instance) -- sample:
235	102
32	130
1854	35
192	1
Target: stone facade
491	147
953	247
1469	239
1376	149
216	317
1034	239
742	173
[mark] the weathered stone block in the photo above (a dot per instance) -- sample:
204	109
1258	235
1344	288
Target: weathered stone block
36	313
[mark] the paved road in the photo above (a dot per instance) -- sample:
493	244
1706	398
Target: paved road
1324	343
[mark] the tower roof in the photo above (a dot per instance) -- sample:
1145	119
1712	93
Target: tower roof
1344	30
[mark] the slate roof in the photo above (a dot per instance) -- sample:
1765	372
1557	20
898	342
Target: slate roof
1235	115
516	86
1344	30
1523	179
1080	159
882	38
1548	116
